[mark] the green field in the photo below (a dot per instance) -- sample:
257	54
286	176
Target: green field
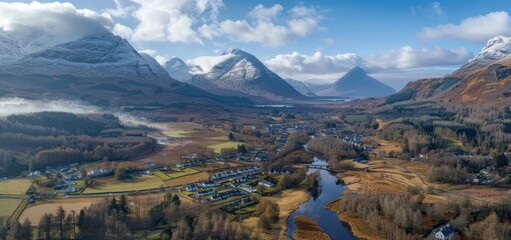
181	172
455	143
14	186
161	175
8	206
219	146
176	133
107	185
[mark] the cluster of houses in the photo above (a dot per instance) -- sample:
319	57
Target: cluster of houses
225	195
100	172
244	178
252	155
279	172
266	183
234	173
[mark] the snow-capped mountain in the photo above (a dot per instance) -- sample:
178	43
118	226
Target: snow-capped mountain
240	73
14	46
496	49
181	71
484	80
104	55
357	84
101	68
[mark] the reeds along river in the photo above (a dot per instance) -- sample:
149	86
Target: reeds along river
315	208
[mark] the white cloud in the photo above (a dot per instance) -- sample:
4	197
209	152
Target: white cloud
329	41
301	21
304	67
172	21
475	29
437	9
119	11
266	14
206	63
62	20
408	57
159	58
300	66
209	31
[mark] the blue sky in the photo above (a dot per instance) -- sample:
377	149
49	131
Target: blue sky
395	41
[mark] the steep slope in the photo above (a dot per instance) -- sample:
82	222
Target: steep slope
103	69
484	80
300	86
357	84
15	46
243	74
179	70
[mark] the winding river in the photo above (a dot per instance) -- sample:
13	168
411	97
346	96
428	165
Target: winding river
315	208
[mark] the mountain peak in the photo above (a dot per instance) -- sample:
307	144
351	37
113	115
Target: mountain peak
356	70
497	43
237	51
496	49
357	84
174	62
241	73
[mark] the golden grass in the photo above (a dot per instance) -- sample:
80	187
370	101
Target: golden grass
308	229
218	146
385	146
14	186
107	185
180	129
201	176
288	200
34	212
9	206
181	172
360	228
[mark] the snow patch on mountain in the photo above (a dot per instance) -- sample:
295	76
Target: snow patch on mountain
206	63
14	46
103	55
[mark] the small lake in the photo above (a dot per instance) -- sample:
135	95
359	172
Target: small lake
315	208
274	106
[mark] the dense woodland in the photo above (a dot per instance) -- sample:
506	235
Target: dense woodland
121	218
34	141
397	216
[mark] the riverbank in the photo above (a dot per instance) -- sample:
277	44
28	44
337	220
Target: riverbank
358	227
288	200
308	229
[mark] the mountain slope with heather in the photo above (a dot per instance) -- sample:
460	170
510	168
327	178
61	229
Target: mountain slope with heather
484	80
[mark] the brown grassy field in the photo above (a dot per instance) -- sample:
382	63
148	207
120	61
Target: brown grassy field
197	177
106	185
34	212
14	186
8	206
308	229
288	201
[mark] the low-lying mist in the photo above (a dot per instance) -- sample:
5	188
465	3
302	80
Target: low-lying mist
10	106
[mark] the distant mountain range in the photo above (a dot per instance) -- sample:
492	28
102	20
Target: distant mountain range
102	68
484	80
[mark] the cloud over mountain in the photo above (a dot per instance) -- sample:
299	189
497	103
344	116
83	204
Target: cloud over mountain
317	65
62	20
475	29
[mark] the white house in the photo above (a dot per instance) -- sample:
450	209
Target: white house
444	233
